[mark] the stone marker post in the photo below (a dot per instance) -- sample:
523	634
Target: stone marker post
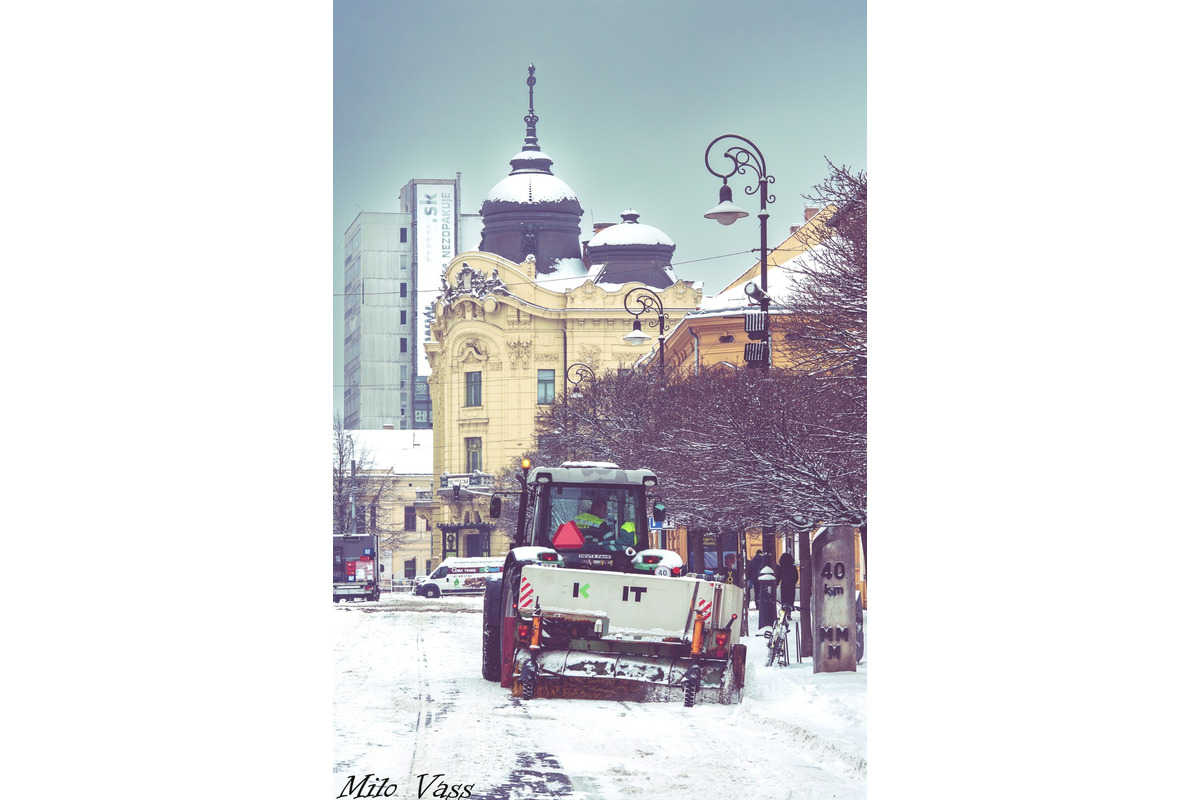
833	600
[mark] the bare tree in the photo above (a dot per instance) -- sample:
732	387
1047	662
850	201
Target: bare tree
733	449
359	485
825	331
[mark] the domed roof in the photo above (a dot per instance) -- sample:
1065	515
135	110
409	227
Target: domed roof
531	182
629	231
531	212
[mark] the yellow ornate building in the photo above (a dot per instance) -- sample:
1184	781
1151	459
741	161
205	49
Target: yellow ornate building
501	343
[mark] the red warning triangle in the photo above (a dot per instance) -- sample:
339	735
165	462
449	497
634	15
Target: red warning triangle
567	537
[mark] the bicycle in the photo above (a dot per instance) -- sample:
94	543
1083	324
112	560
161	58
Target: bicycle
777	638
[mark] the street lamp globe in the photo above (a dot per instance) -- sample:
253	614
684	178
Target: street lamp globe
725	212
637	335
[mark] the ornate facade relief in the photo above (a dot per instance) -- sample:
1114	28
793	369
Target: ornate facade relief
471	282
519	351
471	350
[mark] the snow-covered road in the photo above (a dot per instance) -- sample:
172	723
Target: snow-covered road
411	707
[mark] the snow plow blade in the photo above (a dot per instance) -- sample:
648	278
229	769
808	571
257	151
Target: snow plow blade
588	675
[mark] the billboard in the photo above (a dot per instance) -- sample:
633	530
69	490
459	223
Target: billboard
433	212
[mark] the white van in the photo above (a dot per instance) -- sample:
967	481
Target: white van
459	576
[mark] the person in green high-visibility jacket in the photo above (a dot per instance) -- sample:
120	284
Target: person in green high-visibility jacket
624	537
592	523
595	527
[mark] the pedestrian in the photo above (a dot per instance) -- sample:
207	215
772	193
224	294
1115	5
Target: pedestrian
752	575
789	576
731	568
766	592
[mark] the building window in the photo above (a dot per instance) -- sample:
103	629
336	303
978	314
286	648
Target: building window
404	234
403	317
474	389
474	453
404	290
410	518
403	344
545	386
422	416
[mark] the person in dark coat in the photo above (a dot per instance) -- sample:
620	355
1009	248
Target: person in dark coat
752	575
789	576
730	572
766	593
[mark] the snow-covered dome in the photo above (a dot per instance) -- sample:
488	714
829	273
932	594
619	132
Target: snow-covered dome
531	211
630	231
632	252
530	187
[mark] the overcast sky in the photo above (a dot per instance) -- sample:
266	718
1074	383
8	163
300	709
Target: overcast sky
629	93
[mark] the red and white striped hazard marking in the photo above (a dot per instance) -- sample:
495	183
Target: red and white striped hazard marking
704	609
526	593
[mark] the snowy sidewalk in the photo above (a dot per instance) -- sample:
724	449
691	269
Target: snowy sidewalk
826	709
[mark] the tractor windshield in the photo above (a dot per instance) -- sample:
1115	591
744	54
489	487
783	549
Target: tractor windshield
591	519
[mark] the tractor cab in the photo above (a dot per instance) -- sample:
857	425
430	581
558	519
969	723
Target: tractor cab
589	525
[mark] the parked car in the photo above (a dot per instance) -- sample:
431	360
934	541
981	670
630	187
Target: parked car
456	576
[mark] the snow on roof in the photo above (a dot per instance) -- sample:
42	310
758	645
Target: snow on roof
630	231
569	273
531	155
402	452
530	187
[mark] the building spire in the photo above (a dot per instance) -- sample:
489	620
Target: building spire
531	142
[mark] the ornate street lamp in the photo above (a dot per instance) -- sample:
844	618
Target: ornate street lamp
582	372
726	213
575	374
647	300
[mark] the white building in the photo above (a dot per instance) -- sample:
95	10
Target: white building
393	268
401	462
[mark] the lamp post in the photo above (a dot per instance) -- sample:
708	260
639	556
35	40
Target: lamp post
726	213
647	300
582	373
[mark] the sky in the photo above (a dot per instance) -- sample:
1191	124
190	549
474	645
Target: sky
628	96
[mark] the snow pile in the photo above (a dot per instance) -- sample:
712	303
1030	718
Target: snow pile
828	709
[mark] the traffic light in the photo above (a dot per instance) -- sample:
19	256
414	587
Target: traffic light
756	354
457	489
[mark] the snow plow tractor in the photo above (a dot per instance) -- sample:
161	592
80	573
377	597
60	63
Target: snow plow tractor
585	608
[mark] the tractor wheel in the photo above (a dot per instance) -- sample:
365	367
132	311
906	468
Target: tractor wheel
528	687
689	694
491	630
